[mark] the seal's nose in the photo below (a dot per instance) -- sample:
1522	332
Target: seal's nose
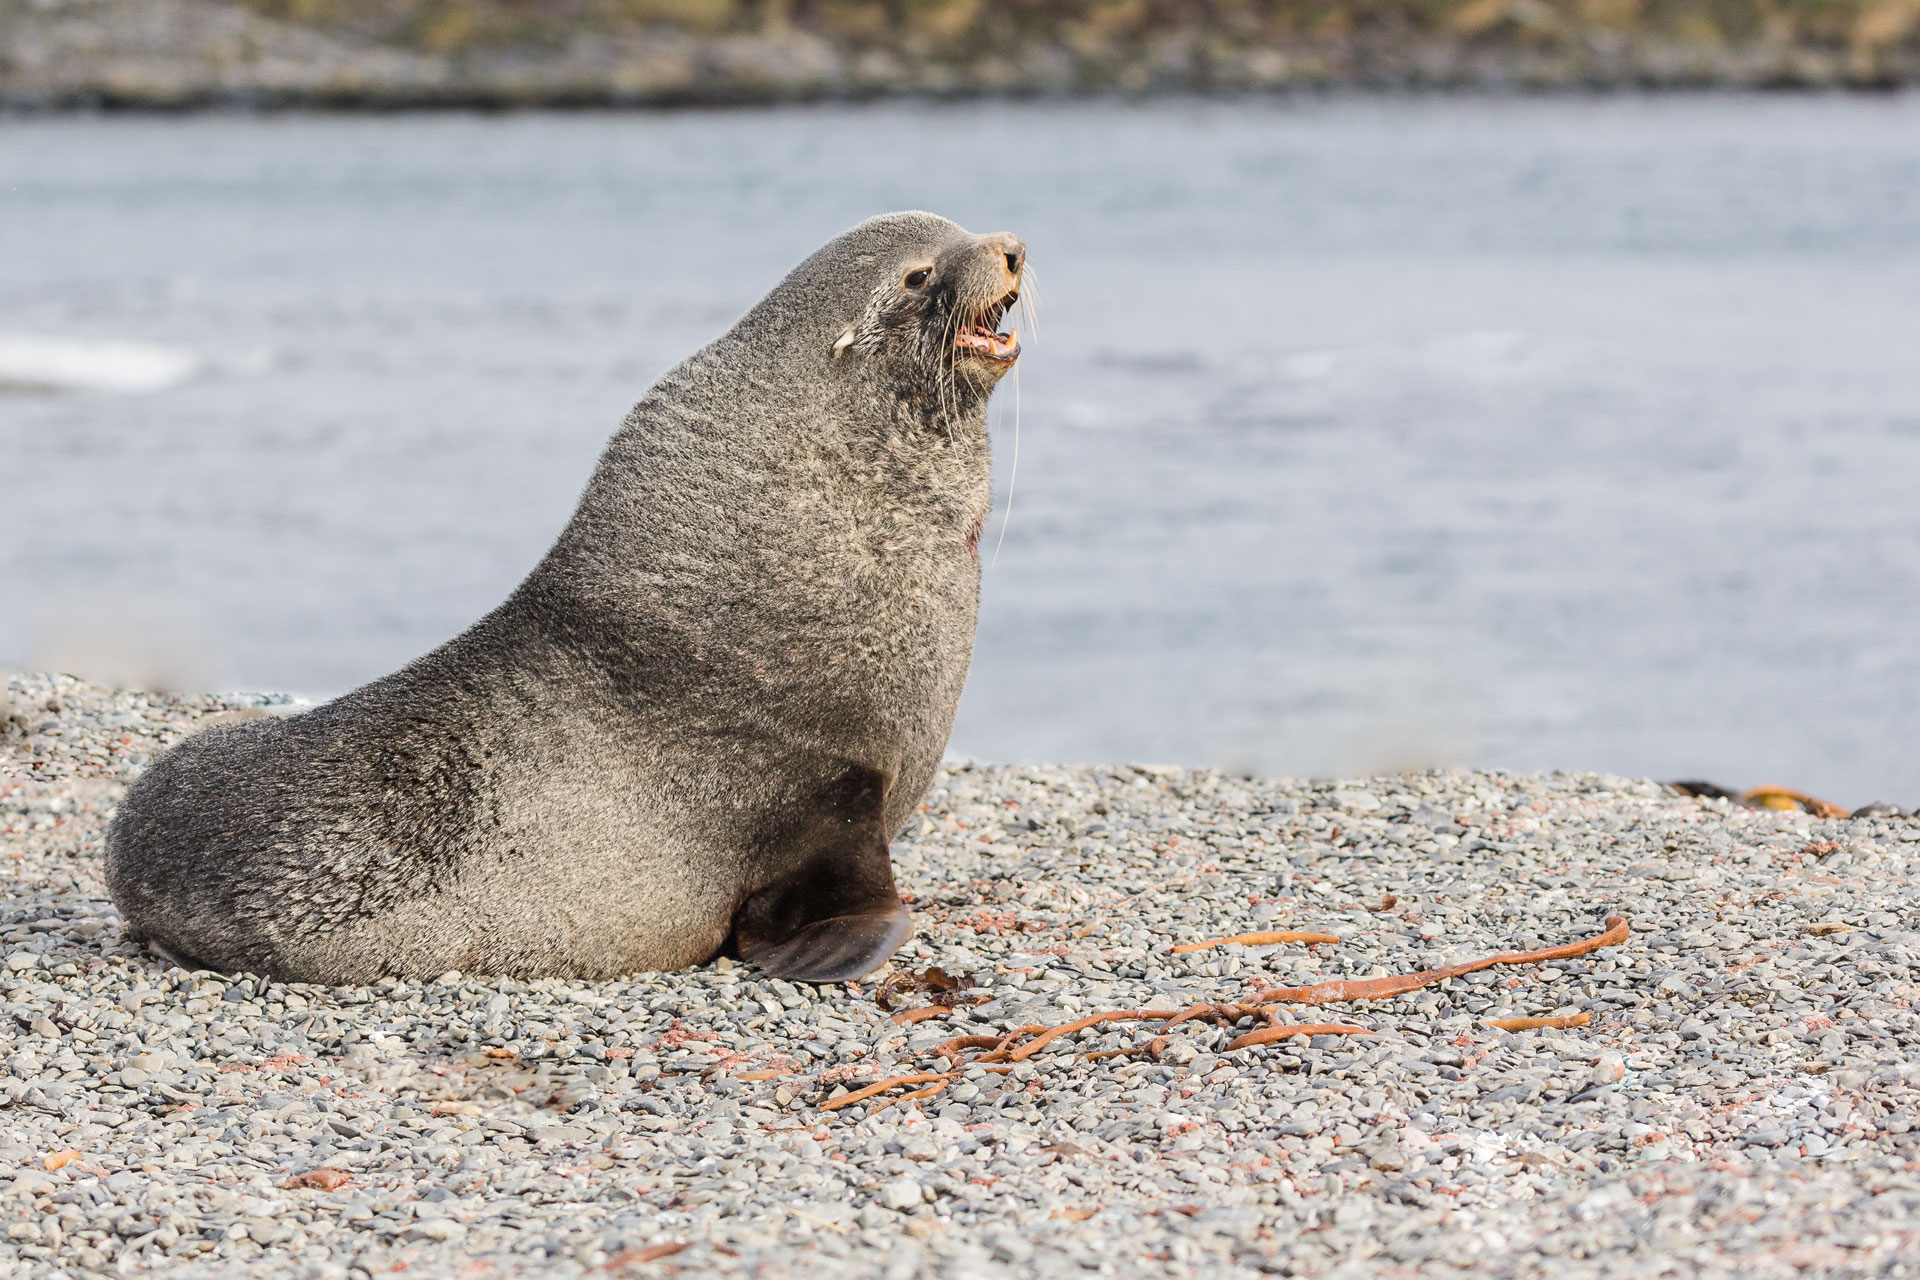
1011	248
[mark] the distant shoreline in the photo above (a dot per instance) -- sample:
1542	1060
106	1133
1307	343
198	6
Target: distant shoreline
481	104
350	55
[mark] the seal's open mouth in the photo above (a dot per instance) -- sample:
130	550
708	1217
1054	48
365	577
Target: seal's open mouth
982	337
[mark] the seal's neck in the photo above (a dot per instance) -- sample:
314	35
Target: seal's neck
727	473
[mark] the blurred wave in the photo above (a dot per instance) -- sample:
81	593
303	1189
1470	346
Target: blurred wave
130	638
37	363
32	363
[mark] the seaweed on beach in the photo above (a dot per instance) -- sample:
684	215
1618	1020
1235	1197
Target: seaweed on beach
1004	1052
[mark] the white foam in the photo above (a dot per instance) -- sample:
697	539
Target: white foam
1491	356
1309	365
66	364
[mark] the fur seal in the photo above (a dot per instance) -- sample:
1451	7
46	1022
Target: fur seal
697	723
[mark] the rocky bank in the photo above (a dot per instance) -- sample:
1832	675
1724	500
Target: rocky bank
170	54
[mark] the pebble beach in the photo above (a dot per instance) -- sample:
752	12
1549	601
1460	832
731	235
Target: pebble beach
1741	1096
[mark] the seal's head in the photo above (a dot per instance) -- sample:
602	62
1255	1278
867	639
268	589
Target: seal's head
916	303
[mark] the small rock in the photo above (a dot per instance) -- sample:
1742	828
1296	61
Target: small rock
436	1229
561	1135
901	1194
1008	1247
29	1183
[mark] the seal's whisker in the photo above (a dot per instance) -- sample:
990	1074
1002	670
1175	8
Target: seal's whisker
1029	298
948	372
1013	472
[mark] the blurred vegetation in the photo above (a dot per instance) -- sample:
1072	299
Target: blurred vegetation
961	30
397	53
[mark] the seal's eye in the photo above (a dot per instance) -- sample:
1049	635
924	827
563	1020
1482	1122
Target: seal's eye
916	279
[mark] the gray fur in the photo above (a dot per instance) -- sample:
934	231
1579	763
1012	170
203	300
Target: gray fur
722	690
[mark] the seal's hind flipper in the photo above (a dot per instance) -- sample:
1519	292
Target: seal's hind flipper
837	949
179	960
834	915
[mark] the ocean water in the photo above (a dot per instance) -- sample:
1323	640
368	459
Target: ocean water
1357	434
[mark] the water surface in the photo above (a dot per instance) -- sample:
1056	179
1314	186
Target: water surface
1357	434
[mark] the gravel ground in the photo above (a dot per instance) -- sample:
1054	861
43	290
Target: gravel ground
1744	1099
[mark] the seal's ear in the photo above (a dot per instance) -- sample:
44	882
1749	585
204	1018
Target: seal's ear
833	914
841	343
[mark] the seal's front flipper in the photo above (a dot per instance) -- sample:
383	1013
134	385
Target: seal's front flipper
833	915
